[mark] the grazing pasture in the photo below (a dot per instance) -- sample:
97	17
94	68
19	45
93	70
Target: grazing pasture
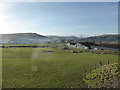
50	67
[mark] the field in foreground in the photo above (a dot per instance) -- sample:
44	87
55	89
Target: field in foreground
48	67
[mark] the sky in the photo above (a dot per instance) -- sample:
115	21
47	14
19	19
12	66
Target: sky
59	18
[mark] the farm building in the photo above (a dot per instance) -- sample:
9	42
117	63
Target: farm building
84	45
77	45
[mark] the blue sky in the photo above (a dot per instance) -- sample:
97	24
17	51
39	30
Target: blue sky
59	18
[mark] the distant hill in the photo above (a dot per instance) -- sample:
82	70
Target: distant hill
106	35
23	35
23	38
32	38
63	37
36	38
104	38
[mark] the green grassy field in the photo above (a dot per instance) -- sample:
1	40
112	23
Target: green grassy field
39	68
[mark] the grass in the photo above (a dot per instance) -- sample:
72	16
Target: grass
104	77
37	68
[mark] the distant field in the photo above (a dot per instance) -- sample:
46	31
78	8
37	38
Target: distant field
48	67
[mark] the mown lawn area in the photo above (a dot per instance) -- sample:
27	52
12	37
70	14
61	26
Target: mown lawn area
48	67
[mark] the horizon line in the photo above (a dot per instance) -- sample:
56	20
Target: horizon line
61	34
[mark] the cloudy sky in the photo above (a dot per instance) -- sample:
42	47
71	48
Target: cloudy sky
59	18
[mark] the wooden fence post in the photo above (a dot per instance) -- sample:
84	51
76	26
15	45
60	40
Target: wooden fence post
95	66
100	63
85	72
108	62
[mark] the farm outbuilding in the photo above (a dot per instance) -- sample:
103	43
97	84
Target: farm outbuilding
77	45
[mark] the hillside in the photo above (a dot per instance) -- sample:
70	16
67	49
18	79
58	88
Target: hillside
107	38
36	38
22	38
33	38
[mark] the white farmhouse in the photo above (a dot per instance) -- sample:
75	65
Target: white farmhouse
77	45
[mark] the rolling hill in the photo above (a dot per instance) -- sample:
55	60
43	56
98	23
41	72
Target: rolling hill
32	38
23	38
36	38
107	38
